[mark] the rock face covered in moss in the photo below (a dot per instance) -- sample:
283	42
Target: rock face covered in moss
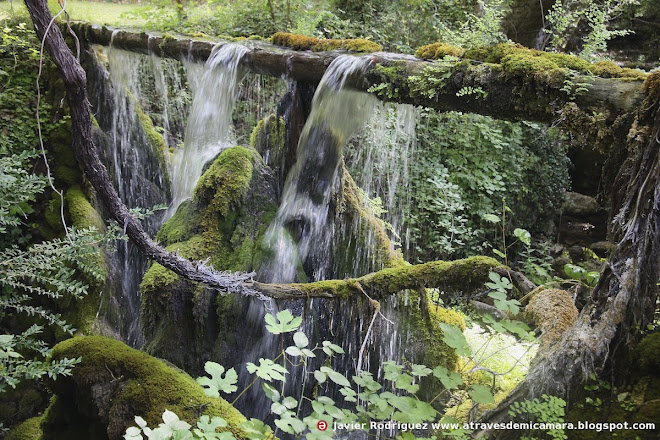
232	205
553	312
113	383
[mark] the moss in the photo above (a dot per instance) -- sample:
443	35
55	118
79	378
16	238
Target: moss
564	61
132	383
82	213
303	42
226	182
609	69
28	430
53	214
648	353
181	226
157	279
438	51
451	276
652	87
269	139
439	353
158	146
68	175
524	64
553	312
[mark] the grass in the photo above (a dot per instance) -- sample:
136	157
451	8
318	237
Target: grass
112	14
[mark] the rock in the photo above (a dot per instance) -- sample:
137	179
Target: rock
603	248
577	204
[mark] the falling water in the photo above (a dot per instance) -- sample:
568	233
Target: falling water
209	127
301	234
137	164
378	159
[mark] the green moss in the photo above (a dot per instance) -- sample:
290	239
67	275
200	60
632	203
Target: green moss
652	87
156	141
269	137
609	69
524	64
451	276
438	50
181	226
147	385
157	279
28	430
82	213
68	175
226	182
53	214
303	42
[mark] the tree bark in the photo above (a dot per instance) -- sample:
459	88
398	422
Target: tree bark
505	96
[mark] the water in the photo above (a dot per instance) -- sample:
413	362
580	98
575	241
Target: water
209	124
136	163
302	232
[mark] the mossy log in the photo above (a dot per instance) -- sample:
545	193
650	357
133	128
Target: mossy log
507	91
456	276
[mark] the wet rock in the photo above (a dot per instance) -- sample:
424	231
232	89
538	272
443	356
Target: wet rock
577	204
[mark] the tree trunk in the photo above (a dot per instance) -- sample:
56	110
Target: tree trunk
624	301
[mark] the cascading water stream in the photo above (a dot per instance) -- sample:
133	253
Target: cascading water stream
301	234
209	126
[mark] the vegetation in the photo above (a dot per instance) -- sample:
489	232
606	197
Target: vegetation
473	186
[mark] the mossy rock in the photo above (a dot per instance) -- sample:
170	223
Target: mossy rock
30	429
82	213
303	42
269	139
113	383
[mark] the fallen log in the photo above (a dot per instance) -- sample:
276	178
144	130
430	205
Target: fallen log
461	84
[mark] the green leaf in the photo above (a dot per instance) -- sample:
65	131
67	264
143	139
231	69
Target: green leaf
523	235
453	337
330	348
267	370
283	322
270	392
336	377
449	379
217	383
574	272
300	339
256	430
491	218
481	394
420	370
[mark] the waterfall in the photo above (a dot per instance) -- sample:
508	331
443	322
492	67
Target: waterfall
136	157
301	234
209	126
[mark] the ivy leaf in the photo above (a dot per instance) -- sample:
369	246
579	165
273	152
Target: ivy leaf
330	348
449	379
270	392
481	394
283	322
290	424
454	337
349	394
267	370
133	433
320	376
574	272
293	351
217	383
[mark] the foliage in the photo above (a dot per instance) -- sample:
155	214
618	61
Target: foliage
548	409
470	163
33	274
583	26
